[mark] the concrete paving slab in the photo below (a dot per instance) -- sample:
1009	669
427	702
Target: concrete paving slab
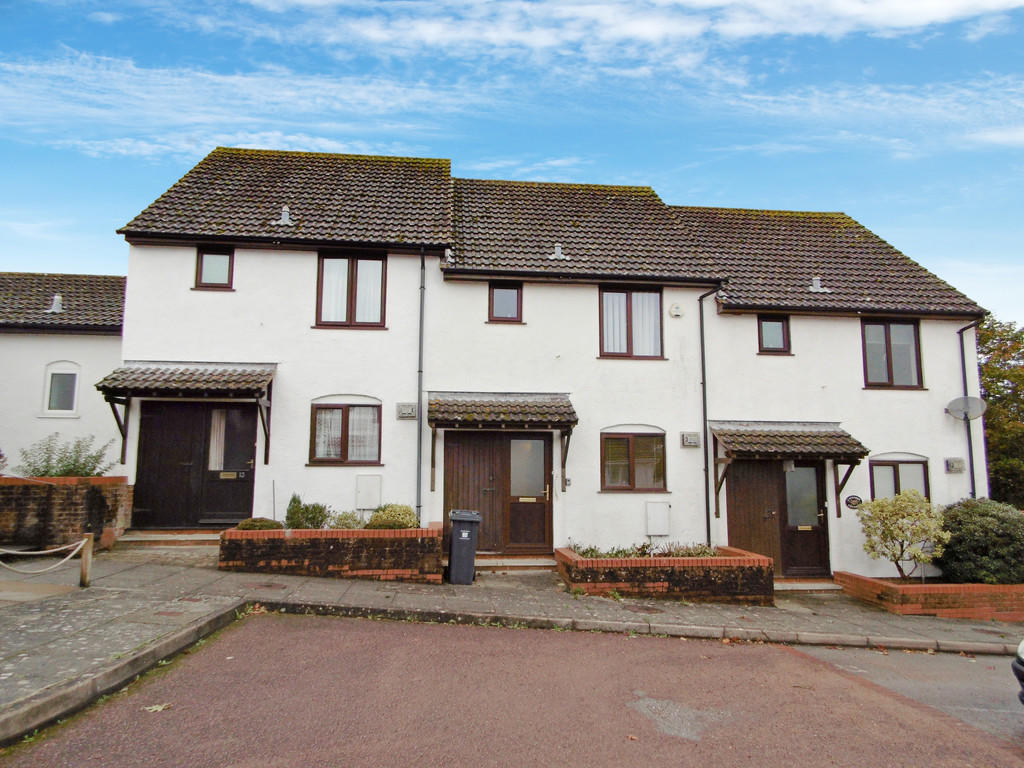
23	591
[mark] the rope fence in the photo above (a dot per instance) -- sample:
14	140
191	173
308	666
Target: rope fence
84	546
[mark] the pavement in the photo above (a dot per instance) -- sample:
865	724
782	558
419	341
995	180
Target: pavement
62	647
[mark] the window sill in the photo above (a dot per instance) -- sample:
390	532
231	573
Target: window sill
220	288
628	357
634	490
504	322
774	353
344	464
58	416
888	386
347	327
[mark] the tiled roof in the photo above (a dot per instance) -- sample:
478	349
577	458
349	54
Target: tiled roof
793	440
180	380
604	231
771	257
239	194
478	409
88	302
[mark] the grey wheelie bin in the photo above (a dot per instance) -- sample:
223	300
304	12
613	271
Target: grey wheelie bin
462	547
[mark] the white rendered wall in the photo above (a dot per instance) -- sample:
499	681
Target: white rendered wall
24	420
823	380
268	318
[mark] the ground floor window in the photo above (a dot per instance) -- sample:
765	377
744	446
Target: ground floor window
632	462
891	477
345	434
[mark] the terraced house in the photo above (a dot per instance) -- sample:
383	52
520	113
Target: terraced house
573	361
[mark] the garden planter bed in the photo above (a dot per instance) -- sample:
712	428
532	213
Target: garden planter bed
736	576
409	554
1003	602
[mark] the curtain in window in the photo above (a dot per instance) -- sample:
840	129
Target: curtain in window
904	355
218	422
884	481
334	291
650	461
876	354
363	433
328	433
646	324
368	290
912	477
616	462
613	330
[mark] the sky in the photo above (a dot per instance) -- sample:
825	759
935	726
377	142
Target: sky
906	114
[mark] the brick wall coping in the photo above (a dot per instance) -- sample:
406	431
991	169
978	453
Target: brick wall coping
730	557
111	480
334	533
910	588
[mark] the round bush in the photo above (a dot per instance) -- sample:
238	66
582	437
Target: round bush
393	516
986	544
259	524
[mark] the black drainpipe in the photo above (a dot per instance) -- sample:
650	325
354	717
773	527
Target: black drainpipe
967	422
704	414
419	393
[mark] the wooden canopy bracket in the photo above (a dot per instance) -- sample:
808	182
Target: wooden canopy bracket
433	457
720	480
840	484
566	436
122	421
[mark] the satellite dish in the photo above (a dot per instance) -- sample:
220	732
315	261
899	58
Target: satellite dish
966	408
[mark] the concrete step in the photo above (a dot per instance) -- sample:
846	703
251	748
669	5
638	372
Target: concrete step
806	585
511	563
172	538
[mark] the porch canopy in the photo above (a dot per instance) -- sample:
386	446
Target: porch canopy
500	410
794	440
249	381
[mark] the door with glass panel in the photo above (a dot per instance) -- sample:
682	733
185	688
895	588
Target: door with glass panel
804	524
528	503
230	464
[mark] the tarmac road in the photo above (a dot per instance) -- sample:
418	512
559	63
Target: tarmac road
287	691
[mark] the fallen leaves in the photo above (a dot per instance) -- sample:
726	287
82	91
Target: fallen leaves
156	708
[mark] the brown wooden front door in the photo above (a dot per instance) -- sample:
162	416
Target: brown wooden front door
506	477
779	514
196	464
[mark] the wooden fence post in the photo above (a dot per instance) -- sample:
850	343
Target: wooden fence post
86	561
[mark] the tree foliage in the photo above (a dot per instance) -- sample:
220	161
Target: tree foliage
901	529
1001	365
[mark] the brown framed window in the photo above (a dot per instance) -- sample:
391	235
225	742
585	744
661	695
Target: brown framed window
351	291
505	303
891	477
632	462
892	356
630	322
773	334
344	434
215	268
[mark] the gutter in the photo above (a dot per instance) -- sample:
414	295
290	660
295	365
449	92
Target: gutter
419	391
967	422
704	413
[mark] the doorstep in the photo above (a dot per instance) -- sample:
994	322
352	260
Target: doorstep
806	585
170	538
511	563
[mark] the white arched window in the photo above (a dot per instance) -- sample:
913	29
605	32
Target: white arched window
60	389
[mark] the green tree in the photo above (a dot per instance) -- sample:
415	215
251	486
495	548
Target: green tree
903	529
1001	364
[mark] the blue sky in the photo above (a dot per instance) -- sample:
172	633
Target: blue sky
907	115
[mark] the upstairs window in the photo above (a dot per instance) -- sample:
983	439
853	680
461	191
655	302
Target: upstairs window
891	354
61	395
632	462
345	434
630	323
505	303
214	268
773	334
891	477
350	291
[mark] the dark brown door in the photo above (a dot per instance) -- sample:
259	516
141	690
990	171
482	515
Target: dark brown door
507	479
473	480
755	498
195	464
805	528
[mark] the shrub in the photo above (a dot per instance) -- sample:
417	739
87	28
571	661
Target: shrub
392	516
77	458
646	549
347	519
3	461
904	528
299	515
986	543
259	524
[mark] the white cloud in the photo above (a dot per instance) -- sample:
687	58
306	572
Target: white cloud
105	17
1012	136
978	29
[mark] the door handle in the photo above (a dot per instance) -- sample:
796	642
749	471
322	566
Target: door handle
547	492
768	514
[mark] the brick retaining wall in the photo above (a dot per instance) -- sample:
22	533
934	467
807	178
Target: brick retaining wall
52	511
1004	602
736	576
410	554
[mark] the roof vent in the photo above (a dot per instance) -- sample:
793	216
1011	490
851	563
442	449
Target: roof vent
817	287
558	252
57	305
286	219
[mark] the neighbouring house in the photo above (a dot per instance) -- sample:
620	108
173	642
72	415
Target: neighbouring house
59	335
573	361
